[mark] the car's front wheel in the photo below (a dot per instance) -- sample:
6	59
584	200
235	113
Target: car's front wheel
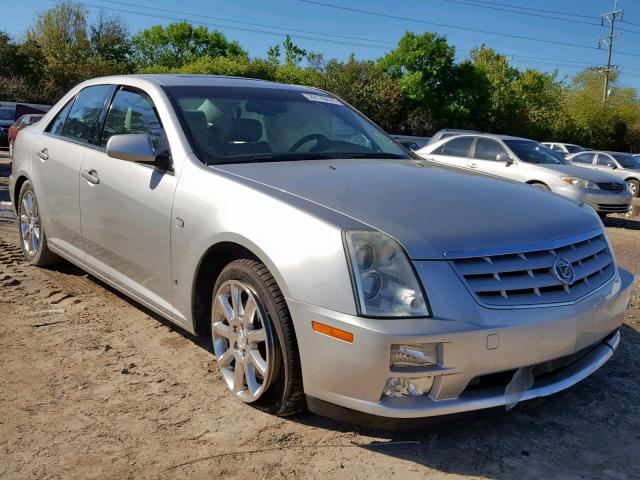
254	341
33	240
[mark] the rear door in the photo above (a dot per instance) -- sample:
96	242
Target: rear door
454	152
126	206
489	156
57	156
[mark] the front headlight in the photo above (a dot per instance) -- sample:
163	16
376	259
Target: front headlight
385	282
580	183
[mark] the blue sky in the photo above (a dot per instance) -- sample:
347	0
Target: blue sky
266	23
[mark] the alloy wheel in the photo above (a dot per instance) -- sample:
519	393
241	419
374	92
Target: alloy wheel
242	340
30	227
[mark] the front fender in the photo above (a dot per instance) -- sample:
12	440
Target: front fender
300	242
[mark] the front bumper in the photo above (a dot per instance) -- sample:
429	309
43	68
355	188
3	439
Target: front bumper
352	375
601	201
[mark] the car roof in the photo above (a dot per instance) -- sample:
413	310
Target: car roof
191	80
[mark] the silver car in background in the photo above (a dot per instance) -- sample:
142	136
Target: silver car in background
331	267
622	165
530	162
564	148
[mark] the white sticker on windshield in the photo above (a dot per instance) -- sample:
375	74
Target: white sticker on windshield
321	98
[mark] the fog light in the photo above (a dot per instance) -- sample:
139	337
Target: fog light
403	356
407	387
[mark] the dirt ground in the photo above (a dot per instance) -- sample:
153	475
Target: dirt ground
102	388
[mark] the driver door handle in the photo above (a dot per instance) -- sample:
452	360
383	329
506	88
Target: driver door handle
91	176
43	154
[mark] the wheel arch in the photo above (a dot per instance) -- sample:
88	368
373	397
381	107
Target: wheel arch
16	190
209	267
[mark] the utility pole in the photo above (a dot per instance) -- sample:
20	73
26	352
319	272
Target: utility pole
610	17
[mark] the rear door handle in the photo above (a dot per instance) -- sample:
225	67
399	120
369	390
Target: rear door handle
43	154
91	176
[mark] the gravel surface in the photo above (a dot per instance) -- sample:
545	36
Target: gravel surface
95	386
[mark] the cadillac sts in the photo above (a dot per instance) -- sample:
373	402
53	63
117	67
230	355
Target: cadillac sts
332	268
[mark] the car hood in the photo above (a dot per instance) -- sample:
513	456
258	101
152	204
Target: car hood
585	173
429	208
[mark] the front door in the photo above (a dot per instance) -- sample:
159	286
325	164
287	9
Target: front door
126	206
490	157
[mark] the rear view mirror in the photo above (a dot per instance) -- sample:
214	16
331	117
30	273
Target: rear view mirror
504	158
131	148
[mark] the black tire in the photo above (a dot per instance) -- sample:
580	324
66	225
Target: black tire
541	186
42	256
636	183
285	395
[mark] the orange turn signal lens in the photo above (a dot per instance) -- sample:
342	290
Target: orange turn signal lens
332	332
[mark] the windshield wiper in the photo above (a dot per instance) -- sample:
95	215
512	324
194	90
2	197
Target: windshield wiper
373	155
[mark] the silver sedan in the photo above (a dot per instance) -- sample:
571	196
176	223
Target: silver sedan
531	162
331	267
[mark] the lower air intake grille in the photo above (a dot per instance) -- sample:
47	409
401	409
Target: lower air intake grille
530	277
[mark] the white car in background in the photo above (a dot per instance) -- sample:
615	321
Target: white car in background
564	148
530	162
622	165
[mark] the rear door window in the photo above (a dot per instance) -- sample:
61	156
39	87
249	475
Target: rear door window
84	117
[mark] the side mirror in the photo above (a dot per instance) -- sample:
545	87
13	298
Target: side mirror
504	158
131	148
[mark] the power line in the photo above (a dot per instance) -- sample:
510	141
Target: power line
570	14
458	27
538	15
263	32
191	14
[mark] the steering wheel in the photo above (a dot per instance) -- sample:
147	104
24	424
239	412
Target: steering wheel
323	142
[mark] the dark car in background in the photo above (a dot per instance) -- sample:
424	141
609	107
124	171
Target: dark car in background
7	118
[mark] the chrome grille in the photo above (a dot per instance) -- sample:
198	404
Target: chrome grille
527	277
612	186
613	207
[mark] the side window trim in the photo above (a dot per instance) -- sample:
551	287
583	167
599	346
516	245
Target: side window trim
53	120
111	98
103	115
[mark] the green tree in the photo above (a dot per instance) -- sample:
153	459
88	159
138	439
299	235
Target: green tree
180	43
293	54
109	40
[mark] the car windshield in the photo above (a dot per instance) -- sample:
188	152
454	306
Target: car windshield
627	160
575	148
534	152
239	124
7	114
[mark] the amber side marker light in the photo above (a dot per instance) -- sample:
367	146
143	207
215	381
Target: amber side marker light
332	332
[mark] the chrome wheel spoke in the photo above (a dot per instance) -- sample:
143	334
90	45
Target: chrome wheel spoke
249	311
236	301
224	330
238	374
227	309
226	358
24	229
250	376
258	362
26	207
257	336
